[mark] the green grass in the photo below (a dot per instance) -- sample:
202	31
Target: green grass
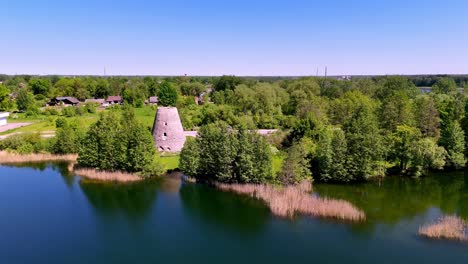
170	162
42	123
146	115
277	163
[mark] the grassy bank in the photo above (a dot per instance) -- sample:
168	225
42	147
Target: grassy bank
169	162
291	200
448	227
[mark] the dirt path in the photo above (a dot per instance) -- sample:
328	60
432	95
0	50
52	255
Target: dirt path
11	126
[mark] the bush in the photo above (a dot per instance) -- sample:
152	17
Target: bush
67	138
296	166
69	111
24	143
91	107
25	148
51	111
60	122
79	111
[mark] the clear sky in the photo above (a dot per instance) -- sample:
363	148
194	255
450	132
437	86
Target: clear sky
242	37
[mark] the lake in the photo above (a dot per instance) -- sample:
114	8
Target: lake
51	216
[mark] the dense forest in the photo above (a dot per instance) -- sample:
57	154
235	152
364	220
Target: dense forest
329	129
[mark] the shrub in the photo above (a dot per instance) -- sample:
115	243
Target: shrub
91	107
51	111
24	143
69	111
60	122
79	111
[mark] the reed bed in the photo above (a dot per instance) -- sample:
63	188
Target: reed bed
290	200
115	176
8	158
447	227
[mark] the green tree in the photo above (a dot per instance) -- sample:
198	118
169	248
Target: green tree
167	94
426	116
426	155
220	154
331	160
67	138
296	166
39	86
445	86
192	89
139	141
393	84
227	82
402	143
108	145
464	125
5	102
396	110
453	140
365	145
189	157
25	100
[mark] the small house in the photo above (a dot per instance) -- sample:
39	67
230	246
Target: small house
111	100
100	102
64	101
3	118
153	100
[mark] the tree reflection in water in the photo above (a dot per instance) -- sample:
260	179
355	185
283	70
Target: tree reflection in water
396	198
227	210
133	200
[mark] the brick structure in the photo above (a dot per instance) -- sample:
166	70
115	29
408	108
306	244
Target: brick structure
168	131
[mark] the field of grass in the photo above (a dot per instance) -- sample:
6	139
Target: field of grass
170	162
41	123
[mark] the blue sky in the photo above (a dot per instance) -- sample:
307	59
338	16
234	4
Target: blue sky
240	37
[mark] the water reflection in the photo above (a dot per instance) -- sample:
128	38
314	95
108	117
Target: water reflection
228	210
61	167
134	200
398	198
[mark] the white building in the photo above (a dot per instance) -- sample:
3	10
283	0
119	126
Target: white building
3	118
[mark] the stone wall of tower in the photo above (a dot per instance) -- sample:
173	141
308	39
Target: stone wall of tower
168	131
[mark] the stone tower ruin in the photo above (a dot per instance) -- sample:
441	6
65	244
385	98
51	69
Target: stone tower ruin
168	131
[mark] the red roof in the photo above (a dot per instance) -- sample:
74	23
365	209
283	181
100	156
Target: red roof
114	99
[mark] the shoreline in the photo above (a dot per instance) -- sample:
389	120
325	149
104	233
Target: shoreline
11	158
86	173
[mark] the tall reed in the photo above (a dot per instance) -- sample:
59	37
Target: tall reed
290	200
7	157
116	176
447	227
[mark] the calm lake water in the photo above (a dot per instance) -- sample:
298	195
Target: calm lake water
50	216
